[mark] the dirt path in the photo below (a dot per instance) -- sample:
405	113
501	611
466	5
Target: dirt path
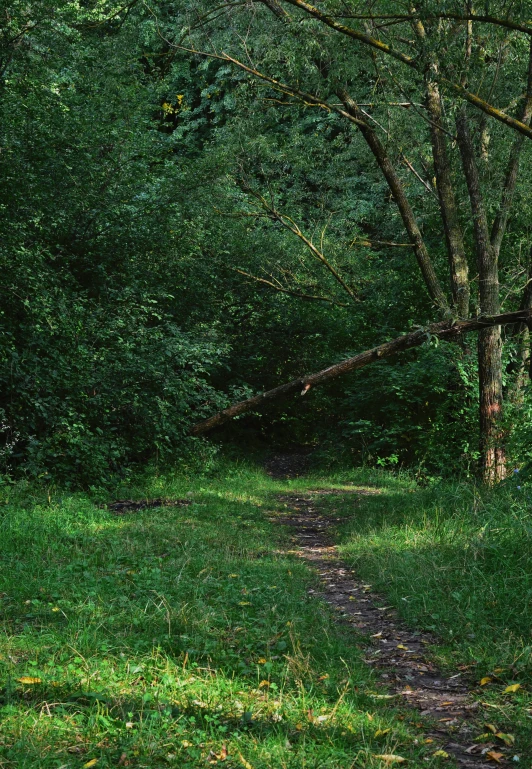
397	652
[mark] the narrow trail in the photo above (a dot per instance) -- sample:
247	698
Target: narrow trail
396	651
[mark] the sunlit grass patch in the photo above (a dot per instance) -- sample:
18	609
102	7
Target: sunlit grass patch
177	636
457	561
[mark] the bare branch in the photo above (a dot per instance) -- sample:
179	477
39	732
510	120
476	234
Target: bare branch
290	225
371	243
447	329
282	290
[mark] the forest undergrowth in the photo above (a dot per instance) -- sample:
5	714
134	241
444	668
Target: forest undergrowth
185	635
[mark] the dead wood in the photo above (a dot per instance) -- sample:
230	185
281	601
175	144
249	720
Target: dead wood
447	329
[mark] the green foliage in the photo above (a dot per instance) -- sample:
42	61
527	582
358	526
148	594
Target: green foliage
420	412
131	173
101	365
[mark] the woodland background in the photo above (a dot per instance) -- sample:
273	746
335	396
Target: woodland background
154	206
202	200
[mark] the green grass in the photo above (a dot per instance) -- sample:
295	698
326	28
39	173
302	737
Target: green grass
179	636
457	561
186	636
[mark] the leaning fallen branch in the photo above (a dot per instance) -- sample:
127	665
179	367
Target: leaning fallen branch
446	329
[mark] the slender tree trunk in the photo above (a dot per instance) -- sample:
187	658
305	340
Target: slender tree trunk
458	266
453	232
394	183
521	367
493	458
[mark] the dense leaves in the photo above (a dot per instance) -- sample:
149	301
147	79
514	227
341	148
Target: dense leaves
178	232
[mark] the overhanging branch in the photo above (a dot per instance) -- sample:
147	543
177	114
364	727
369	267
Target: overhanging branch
447	329
379	45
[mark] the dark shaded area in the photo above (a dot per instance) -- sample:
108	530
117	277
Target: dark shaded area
129	506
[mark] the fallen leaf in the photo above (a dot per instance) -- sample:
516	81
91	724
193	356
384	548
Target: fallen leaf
400	646
244	763
428	740
499	670
389	758
323	678
186	743
508	739
244	603
263	684
29	680
442	754
377	635
262	661
485	680
299	727
492	728
381	732
512	688
493	756
90	763
123	760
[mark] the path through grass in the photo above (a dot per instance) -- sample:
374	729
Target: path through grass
186	636
178	637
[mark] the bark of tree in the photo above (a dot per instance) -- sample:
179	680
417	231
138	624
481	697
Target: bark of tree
493	456
458	266
394	183
447	329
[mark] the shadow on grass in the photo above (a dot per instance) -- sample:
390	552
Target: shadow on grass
167	634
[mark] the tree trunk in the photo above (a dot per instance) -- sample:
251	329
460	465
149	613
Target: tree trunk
449	213
394	183
493	456
458	267
489	340
446	329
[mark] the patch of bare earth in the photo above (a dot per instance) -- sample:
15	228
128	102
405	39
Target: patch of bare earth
396	651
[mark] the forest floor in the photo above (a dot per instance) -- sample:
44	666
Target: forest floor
218	626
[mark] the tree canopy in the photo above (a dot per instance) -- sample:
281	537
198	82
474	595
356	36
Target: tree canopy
203	201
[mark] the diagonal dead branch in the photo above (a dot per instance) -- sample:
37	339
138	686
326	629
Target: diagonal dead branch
447	329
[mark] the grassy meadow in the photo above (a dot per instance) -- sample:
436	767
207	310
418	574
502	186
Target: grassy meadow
185	635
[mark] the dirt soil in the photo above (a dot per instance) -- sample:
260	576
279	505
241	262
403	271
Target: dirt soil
397	652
